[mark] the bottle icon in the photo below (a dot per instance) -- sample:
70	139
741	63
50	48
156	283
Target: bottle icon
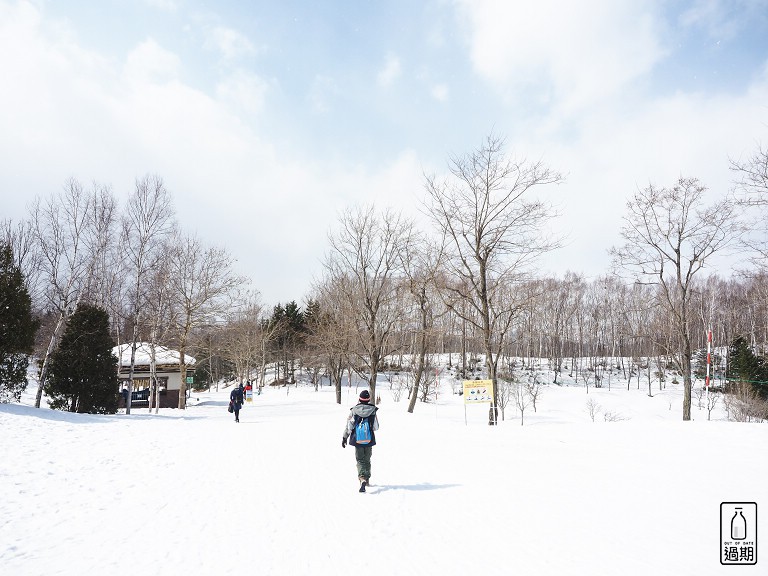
738	525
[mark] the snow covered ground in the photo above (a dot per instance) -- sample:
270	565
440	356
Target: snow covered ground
194	493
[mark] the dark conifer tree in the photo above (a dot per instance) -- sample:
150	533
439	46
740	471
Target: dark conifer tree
296	324
290	334
295	334
17	328
311	314
744	365
83	372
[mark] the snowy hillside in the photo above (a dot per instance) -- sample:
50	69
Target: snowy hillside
194	493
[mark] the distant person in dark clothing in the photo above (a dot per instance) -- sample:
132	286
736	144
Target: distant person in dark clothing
364	410
236	401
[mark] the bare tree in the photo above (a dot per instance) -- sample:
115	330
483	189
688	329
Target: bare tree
242	336
522	398
21	238
269	332
68	242
202	284
494	231
160	317
508	385
330	332
558	308
712	401
610	416
744	404
593	408
147	222
100	244
670	234
421	263
210	354
753	177
751	186
533	388
364	264
399	383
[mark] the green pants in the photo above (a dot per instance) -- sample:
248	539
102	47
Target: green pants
363	457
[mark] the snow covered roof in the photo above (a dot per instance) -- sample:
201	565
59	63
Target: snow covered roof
163	355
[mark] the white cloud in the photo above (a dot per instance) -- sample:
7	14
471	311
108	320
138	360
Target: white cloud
565	54
723	19
150	62
691	135
390	72
229	43
73	114
244	91
165	5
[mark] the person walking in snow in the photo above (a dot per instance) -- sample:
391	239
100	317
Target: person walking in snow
236	401
362	423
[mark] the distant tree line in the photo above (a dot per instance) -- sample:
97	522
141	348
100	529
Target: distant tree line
394	295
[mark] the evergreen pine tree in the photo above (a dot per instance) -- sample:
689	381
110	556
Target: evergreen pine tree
295	333
17	328
83	371
744	365
312	313
296	324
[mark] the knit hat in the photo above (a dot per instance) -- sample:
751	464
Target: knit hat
365	396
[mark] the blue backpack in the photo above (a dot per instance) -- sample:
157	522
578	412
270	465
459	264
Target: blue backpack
363	432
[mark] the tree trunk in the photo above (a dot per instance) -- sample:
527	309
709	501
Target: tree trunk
373	377
687	381
133	363
48	352
183	369
422	353
650	393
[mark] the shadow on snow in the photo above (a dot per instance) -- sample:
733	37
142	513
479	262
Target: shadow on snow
415	487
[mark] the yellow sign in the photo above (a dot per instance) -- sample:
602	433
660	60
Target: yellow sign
478	391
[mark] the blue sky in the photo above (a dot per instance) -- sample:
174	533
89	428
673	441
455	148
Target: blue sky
265	119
